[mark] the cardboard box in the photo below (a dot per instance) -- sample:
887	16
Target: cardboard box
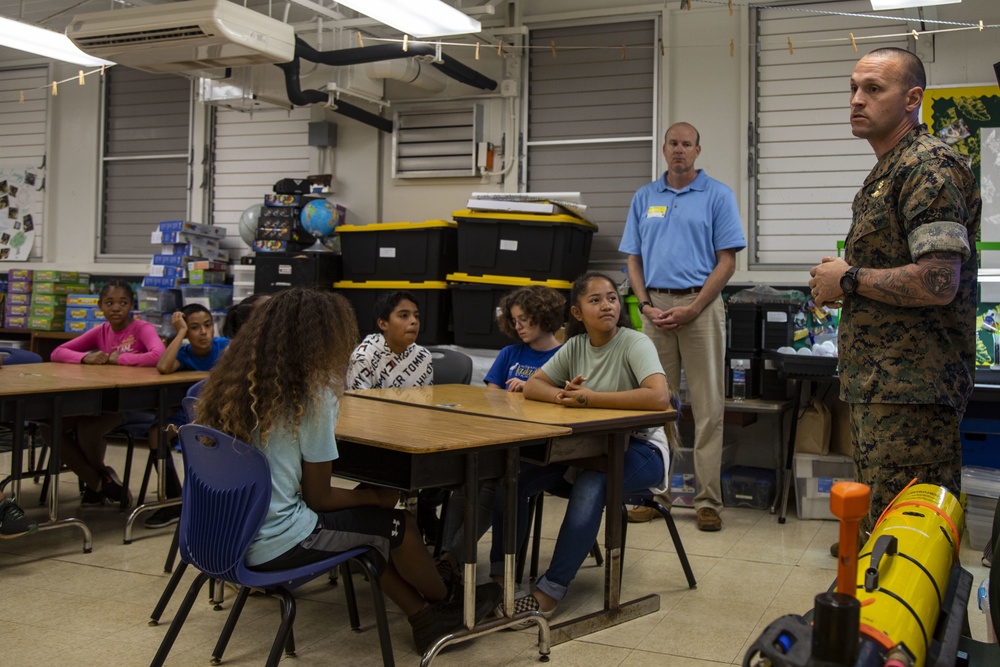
61	276
20	274
79	326
210	231
83	299
163	283
47	323
18	286
282	200
47	311
43	299
206	265
60	288
188	250
158	238
16	299
160	259
83	313
20	322
16	310
201	277
160	271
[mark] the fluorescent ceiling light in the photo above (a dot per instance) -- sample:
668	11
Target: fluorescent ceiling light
880	5
42	42
418	18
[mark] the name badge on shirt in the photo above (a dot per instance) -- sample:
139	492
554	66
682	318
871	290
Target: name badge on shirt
656	212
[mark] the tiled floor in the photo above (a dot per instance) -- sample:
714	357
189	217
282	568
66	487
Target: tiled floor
63	607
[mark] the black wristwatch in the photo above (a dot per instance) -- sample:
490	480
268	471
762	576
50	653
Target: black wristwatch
849	281
643	304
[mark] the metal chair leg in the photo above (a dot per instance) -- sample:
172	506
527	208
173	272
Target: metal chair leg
168	592
227	629
381	620
179	618
675	537
287	619
352	601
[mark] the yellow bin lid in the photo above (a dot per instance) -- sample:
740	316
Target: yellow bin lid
398	226
390	284
508	281
487	216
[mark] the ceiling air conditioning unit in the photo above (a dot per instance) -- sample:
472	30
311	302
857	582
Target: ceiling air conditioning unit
181	37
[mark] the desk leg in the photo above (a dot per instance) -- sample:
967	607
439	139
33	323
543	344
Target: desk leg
615	611
470	528
17	449
161	468
55	464
787	475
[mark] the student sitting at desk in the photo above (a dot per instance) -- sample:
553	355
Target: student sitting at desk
532	314
193	323
604	364
294	350
392	358
123	341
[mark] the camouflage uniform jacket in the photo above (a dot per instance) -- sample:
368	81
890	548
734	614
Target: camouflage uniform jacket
921	197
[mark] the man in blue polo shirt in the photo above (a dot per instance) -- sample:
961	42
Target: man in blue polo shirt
681	237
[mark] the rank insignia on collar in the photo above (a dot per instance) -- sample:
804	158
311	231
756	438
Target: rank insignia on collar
878	189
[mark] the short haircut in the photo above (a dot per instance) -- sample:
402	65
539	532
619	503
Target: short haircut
913	67
193	308
542	306
386	303
697	134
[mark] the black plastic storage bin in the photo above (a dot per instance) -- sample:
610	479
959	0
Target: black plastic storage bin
476	304
399	251
279	270
778	324
432	299
745	486
773	386
540	247
743	332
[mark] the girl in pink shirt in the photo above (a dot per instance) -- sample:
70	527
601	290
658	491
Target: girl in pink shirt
122	341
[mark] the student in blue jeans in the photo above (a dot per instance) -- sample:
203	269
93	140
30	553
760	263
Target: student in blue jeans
604	364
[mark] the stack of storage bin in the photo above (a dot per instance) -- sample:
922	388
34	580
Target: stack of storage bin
49	290
500	251
754	332
18	302
815	475
981	487
410	256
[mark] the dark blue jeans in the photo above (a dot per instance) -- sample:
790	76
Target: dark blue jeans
643	469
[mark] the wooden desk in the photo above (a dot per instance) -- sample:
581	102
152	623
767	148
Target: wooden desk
512	406
411	447
53	391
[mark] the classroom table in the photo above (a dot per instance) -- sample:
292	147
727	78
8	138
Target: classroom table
410	447
53	390
616	425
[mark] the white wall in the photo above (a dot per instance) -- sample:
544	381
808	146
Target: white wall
701	83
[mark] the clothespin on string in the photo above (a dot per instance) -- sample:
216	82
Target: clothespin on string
102	70
732	47
406	42
660	42
500	48
553	48
20	99
80	77
791	51
477	50
980	25
915	34
730	7
623	52
853	43
55	89
361	42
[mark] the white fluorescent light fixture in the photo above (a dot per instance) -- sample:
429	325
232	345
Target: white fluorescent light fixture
417	18
42	42
880	5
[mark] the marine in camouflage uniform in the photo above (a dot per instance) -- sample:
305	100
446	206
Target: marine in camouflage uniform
907	372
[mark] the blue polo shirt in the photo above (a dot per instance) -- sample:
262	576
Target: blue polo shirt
678	232
189	361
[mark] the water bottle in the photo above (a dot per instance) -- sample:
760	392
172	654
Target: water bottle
984	606
739	380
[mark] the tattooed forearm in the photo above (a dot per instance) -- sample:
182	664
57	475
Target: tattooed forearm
932	281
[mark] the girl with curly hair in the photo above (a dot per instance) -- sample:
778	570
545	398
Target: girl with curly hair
533	315
278	388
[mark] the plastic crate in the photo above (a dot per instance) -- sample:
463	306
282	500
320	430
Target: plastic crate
980	442
746	486
162	300
433	300
815	475
476	304
773	387
213	297
777	324
683	482
404	251
743	332
277	271
540	247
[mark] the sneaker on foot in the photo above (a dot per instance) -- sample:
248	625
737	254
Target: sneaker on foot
451	578
442	618
529	603
13	523
111	487
709	520
642	514
91	498
163	517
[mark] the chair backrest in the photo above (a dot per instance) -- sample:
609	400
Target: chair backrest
194	391
12	356
188	403
226	493
451	366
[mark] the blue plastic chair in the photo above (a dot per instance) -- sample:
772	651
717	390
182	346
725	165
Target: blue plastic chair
227	490
12	356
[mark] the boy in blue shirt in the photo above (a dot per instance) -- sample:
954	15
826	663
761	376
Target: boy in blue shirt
200	353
